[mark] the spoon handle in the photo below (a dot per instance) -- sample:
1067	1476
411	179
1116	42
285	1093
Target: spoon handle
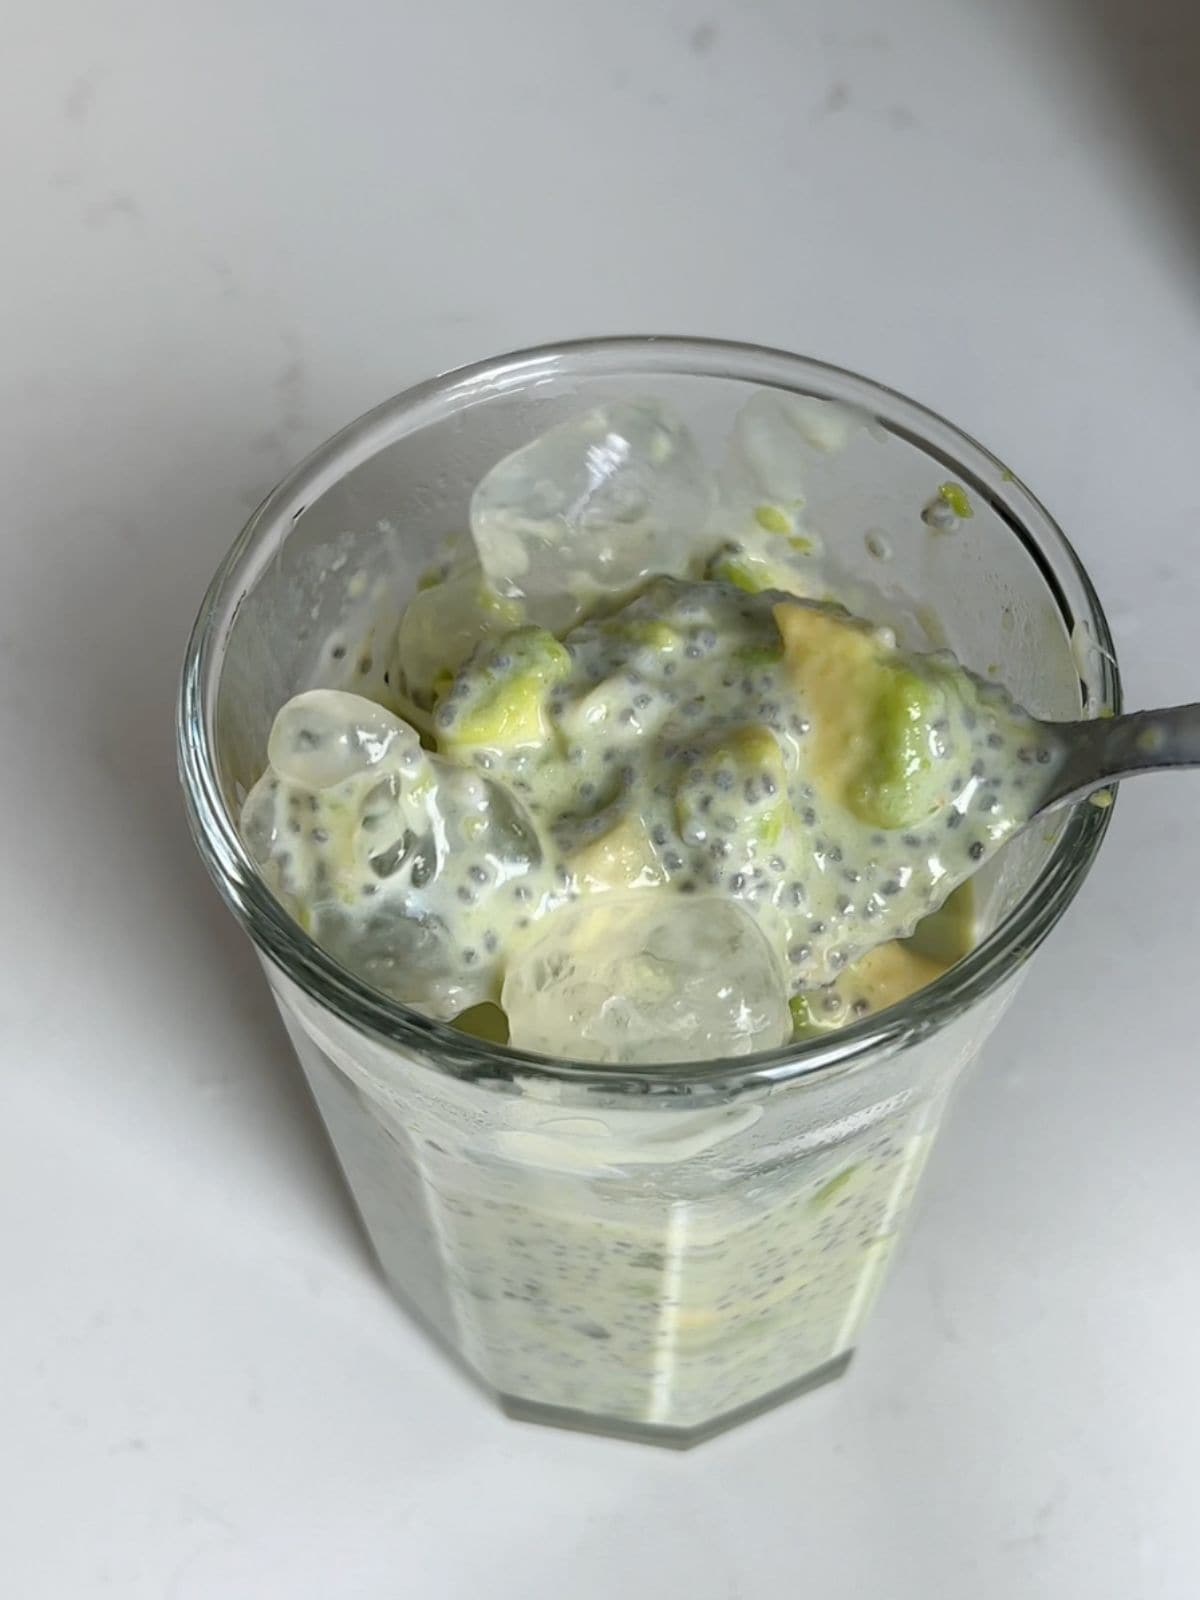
1100	751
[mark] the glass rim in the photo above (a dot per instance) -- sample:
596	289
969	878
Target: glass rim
439	1044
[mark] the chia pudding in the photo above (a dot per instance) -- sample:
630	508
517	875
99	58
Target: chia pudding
701	753
630	781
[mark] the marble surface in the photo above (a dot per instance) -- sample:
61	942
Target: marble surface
231	229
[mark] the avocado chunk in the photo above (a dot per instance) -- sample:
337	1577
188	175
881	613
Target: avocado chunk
891	787
744	571
644	633
765	558
503	704
621	858
874	715
956	497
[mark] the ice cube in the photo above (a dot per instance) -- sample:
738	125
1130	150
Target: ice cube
766	458
486	820
592	507
325	737
648	976
777	441
454	551
410	958
379	849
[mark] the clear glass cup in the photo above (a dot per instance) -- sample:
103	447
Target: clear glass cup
654	1251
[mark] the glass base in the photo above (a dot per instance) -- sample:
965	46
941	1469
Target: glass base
655	1433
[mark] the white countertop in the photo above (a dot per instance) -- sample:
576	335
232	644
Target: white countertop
230	229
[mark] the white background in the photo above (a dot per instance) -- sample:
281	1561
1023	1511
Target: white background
229	228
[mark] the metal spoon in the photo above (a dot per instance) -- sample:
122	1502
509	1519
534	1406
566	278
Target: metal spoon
1096	753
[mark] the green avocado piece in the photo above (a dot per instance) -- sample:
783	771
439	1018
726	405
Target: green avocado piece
643	633
774	519
743	570
956	497
893	787
507	684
